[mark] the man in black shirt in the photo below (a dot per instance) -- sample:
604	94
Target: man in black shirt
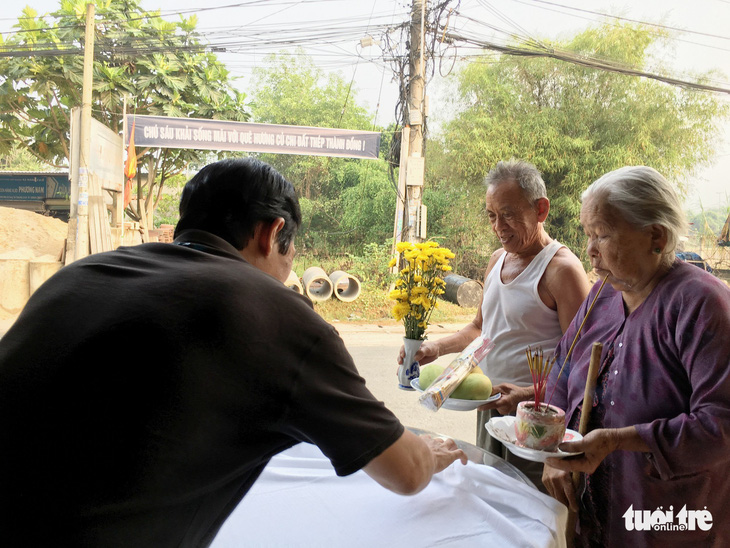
143	390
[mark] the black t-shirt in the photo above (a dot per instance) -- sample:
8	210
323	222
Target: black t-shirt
143	390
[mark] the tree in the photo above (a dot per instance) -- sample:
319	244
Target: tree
20	159
289	89
576	123
342	199
160	66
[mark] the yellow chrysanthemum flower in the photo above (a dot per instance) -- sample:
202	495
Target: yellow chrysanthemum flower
418	284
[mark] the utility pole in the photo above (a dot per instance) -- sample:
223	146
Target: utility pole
411	216
79	230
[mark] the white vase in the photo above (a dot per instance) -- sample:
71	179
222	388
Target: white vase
409	369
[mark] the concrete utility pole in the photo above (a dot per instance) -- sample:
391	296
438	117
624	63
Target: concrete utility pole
412	166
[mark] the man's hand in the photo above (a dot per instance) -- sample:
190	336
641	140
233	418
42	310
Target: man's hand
445	451
511	396
560	485
406	467
426	354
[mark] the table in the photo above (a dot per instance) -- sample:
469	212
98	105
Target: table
298	501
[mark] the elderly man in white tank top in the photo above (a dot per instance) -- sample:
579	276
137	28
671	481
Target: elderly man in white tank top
532	289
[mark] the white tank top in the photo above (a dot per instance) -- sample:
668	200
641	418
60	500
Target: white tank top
515	317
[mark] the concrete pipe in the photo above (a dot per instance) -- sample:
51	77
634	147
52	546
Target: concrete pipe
462	291
317	286
292	282
346	287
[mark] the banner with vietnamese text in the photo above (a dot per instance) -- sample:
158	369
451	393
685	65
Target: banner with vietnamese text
196	133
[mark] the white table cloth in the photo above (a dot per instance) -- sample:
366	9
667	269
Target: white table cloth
298	501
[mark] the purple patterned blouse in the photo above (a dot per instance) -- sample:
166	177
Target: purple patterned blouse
665	368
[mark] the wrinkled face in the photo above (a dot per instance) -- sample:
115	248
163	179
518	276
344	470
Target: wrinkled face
513	218
617	248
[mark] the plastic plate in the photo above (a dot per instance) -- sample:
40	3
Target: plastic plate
503	429
456	404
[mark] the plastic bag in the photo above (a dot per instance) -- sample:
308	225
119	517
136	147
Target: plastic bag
435	395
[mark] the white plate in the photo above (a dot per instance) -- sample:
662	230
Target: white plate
503	429
459	405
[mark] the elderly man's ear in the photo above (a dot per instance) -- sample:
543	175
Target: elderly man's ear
542	207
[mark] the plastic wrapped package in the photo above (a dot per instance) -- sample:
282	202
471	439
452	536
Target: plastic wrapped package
435	395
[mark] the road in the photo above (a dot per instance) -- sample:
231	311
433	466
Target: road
374	349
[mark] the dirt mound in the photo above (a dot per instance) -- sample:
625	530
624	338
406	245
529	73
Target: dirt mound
29	235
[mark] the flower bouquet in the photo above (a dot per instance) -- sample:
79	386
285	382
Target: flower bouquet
418	285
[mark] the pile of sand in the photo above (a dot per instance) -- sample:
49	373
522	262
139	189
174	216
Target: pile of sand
29	235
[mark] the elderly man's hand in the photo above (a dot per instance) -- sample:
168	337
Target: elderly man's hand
426	354
445	451
511	396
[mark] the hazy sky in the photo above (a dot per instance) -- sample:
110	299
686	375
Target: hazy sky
704	43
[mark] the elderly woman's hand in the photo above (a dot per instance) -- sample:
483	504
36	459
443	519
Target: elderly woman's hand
560	485
595	446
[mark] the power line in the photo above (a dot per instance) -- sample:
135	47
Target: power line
658	25
590	63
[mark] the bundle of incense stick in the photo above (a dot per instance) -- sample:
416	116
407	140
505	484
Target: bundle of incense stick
575	340
540	370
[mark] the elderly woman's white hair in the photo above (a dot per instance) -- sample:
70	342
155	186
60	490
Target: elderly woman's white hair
644	198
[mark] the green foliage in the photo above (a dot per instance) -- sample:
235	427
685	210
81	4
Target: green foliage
573	123
456	216
346	203
168	208
161	66
20	159
369	206
371	267
291	90
708	221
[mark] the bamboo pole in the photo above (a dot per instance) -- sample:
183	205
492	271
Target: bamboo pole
590	390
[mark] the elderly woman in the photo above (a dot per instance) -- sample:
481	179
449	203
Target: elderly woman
657	455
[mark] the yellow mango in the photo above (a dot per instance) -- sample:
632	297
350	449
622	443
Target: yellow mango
429	373
473	387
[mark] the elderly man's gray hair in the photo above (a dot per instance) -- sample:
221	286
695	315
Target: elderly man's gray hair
643	197
523	173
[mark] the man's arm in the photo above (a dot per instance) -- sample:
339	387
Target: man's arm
406	467
566	285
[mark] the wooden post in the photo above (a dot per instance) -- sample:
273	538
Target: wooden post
588	393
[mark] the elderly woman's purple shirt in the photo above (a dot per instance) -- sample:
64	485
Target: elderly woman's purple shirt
670	377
